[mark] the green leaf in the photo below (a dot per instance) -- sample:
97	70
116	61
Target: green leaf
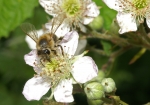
106	46
13	12
107	13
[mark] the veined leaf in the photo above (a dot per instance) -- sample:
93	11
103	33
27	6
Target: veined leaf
13	12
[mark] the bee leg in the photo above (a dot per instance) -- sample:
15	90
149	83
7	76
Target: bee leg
61	49
60	39
41	61
47	57
55	52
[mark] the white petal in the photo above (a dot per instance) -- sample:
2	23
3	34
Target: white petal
34	90
91	12
87	20
113	4
63	92
31	58
126	22
63	29
70	42
31	43
51	6
84	69
38	70
148	20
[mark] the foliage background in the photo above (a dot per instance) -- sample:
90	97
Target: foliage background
132	81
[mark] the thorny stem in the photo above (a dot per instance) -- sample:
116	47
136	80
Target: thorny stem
138	39
117	40
113	102
106	100
144	34
114	39
113	57
143	39
101	52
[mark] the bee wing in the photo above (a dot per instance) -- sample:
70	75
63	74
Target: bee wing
56	22
30	30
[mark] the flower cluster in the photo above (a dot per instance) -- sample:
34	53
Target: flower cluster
98	88
56	54
130	13
72	12
60	71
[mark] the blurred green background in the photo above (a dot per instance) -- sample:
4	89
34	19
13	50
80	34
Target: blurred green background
132	81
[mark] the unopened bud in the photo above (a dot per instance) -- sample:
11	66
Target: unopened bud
109	85
97	23
94	90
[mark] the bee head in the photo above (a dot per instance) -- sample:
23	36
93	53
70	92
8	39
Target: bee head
44	51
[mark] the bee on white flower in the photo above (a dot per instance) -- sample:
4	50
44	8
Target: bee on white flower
130	13
60	73
74	12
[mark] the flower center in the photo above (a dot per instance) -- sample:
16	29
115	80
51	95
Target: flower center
71	7
140	3
57	69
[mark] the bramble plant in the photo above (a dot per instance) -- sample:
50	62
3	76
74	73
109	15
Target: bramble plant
62	49
64	70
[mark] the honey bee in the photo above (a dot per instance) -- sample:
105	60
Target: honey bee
47	43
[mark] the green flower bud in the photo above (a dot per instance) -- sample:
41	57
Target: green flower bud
99	77
94	90
95	102
97	23
109	85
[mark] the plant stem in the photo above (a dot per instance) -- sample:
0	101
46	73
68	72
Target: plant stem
113	57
